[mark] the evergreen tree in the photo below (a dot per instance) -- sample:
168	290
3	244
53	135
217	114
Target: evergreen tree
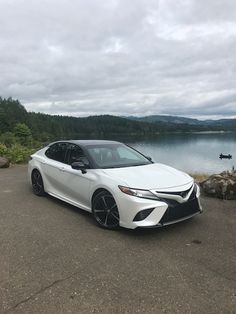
23	133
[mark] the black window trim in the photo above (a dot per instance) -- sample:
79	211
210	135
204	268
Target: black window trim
92	163
54	144
83	150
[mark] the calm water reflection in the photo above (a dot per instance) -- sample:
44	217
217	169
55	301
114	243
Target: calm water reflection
193	153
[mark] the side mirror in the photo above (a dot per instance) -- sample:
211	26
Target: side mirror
79	165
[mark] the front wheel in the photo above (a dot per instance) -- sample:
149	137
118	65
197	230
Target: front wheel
37	183
105	210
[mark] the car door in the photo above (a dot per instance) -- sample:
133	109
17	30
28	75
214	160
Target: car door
53	167
77	185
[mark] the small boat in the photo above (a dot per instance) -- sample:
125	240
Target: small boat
223	156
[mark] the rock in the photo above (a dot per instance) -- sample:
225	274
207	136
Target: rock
4	162
221	185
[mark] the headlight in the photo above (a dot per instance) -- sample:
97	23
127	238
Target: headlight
138	193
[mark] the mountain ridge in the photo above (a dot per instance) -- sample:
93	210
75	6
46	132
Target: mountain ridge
180	120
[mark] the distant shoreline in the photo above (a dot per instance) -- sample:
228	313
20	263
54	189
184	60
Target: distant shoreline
211	132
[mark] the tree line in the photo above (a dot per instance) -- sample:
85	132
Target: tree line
19	126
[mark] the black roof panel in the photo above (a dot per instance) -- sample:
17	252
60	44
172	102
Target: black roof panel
86	142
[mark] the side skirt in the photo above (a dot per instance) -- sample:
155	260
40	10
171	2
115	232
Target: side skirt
67	200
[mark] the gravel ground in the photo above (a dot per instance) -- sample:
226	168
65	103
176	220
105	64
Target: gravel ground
54	259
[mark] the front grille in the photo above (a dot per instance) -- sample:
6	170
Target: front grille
173	203
181	193
176	211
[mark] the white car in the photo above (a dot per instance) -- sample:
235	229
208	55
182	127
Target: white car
118	184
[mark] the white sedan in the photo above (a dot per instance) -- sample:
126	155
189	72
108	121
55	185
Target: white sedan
118	184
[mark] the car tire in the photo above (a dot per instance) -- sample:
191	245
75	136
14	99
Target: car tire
105	211
37	183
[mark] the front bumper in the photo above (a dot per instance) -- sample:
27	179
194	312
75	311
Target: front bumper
179	212
164	212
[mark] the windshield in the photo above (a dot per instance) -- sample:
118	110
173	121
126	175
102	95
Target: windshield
115	156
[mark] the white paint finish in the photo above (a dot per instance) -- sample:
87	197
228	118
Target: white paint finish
77	188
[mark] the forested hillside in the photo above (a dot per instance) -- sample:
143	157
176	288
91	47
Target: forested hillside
44	127
21	132
189	123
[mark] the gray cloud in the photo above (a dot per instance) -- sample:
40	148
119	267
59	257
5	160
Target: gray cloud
141	57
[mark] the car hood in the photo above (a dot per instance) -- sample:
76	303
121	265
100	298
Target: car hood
152	176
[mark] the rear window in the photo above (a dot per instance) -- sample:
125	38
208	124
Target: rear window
57	152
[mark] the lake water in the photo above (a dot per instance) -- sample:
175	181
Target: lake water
193	153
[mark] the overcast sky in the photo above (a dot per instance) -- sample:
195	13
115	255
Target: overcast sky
138	57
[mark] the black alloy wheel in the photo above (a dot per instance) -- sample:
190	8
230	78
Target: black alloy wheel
105	210
37	183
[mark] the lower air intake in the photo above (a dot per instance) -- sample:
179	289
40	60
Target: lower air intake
180	211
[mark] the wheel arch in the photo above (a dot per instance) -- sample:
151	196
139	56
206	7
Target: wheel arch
102	221
37	183
97	191
36	167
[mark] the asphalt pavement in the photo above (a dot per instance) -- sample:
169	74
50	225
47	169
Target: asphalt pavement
54	259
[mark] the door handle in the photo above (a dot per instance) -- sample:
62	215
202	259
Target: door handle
62	168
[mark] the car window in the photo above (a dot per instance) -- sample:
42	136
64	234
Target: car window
76	154
103	155
125	153
115	155
57	152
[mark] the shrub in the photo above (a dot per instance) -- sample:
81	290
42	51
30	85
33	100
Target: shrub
8	139
18	153
3	150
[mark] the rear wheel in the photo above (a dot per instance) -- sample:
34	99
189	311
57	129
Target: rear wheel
105	210
37	183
